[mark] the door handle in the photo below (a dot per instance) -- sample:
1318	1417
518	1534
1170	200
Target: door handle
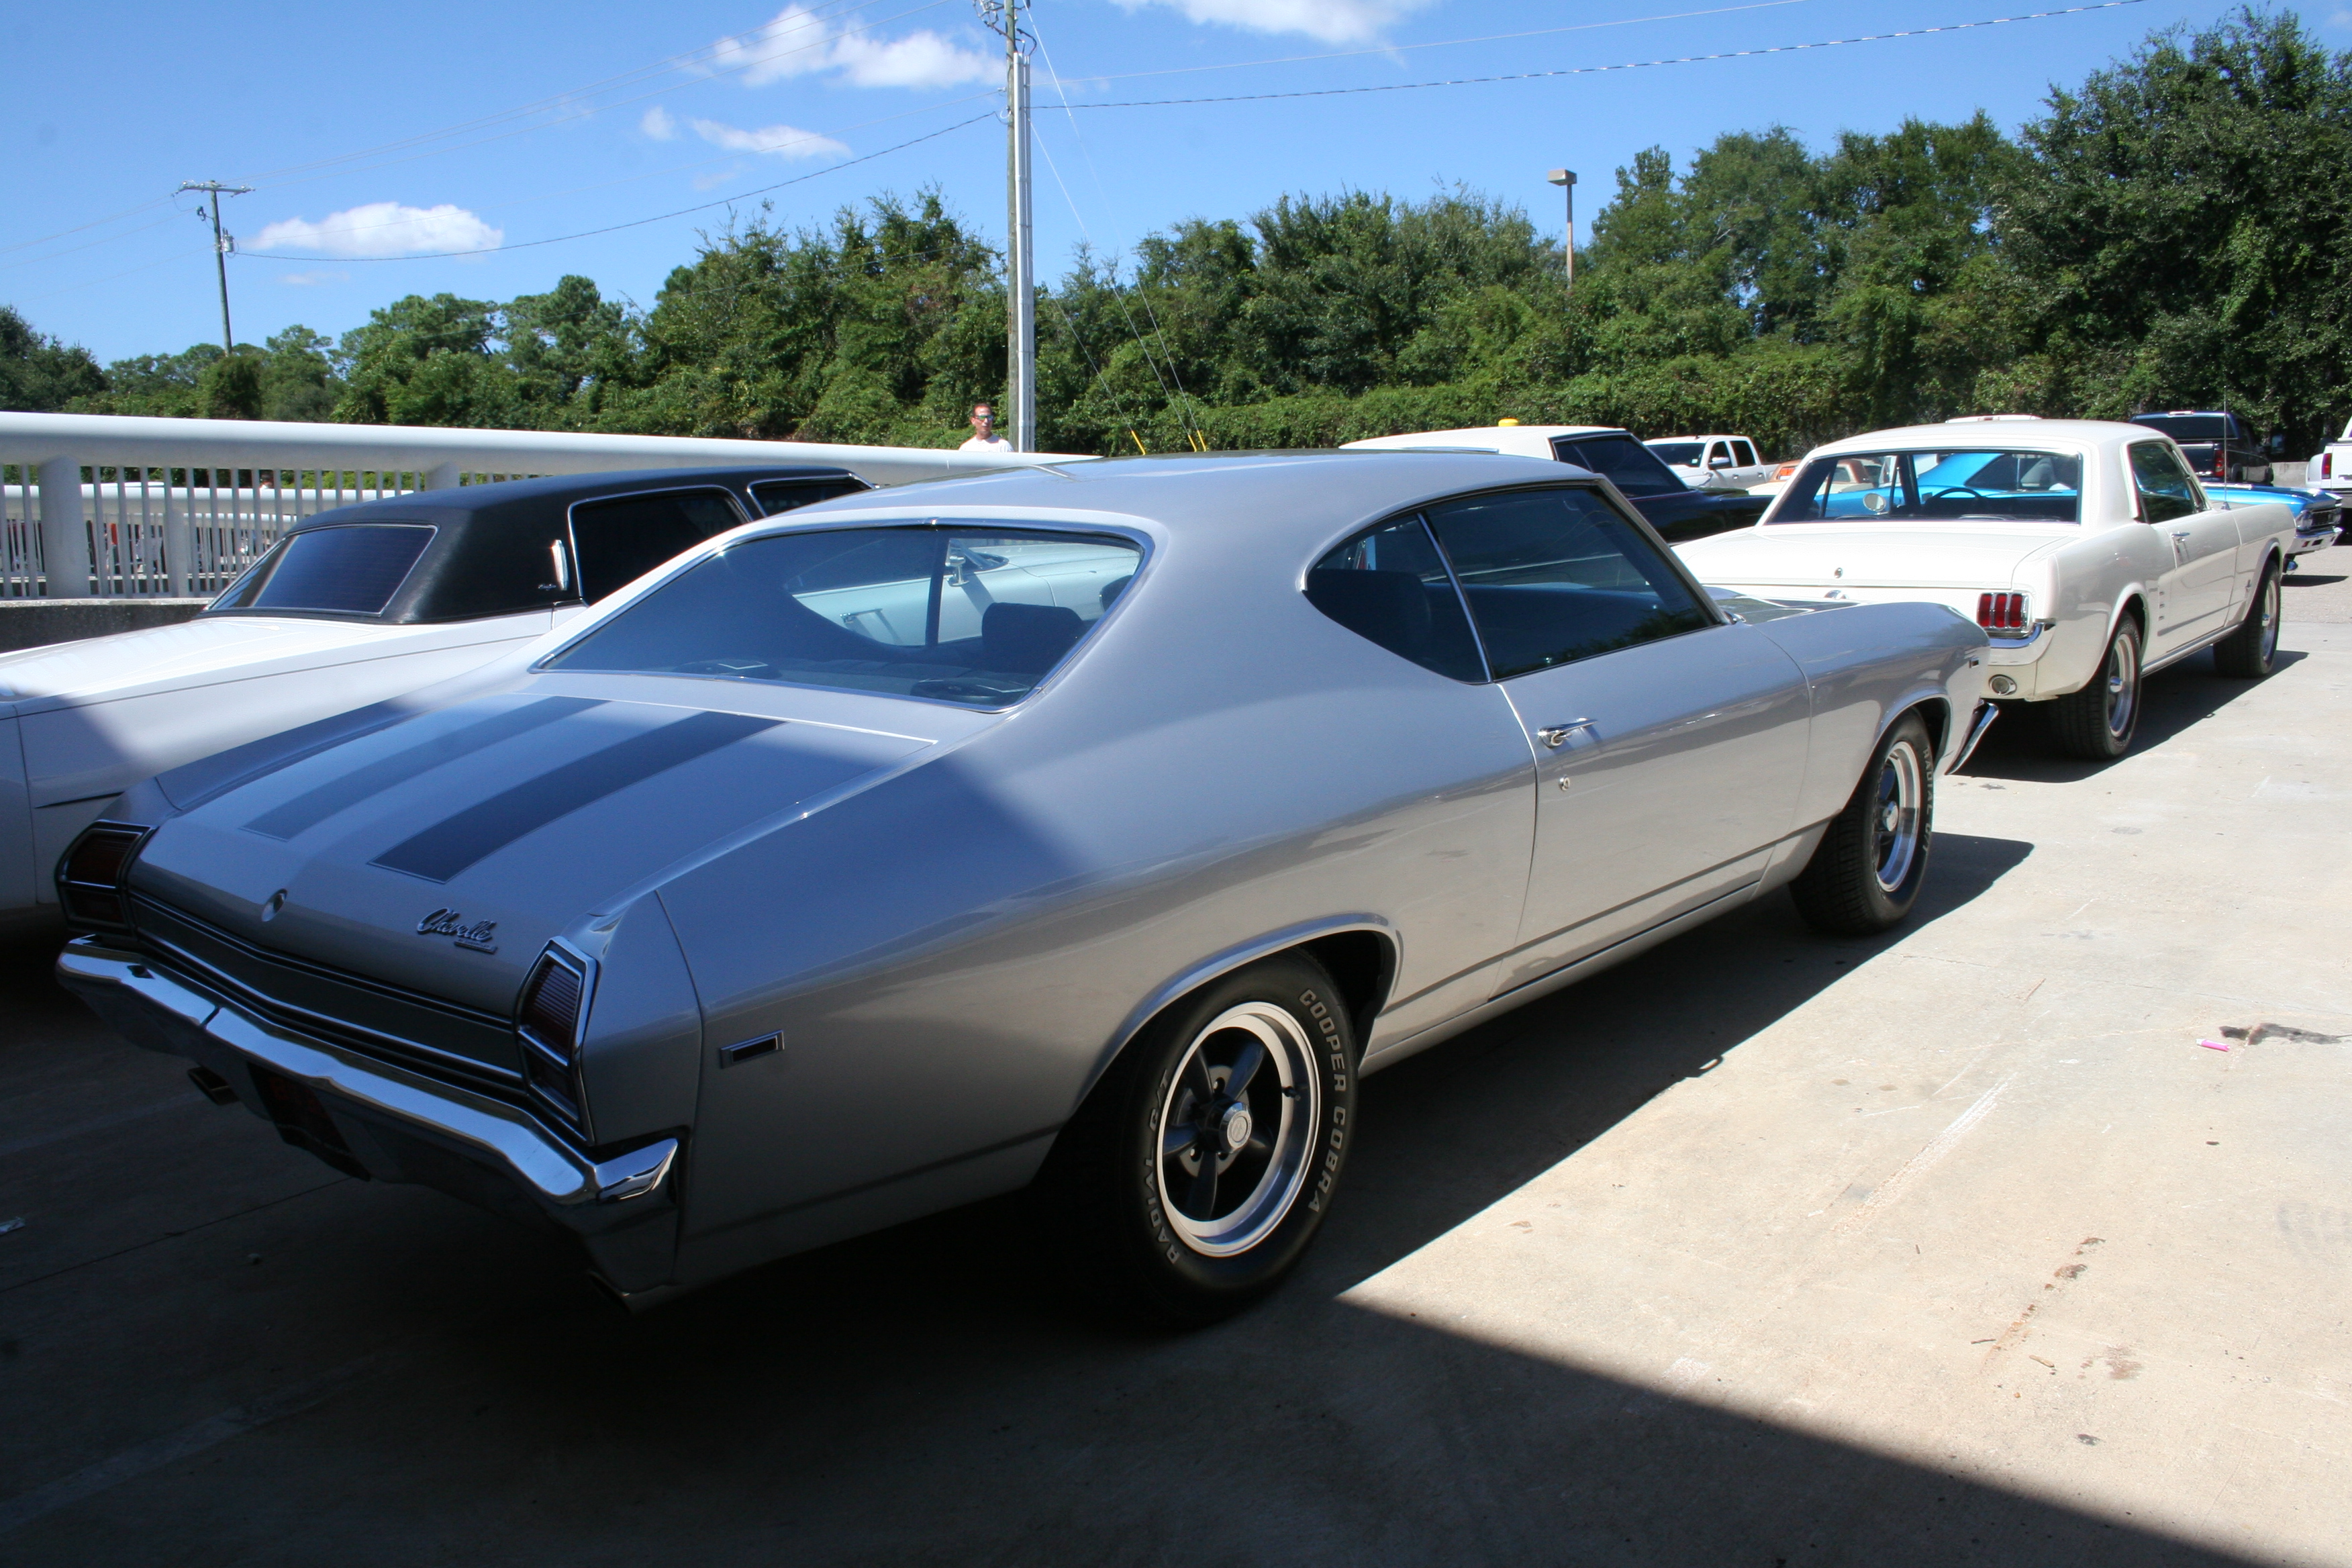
1556	736
2181	534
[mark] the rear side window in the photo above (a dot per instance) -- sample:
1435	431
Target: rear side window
1391	586
351	570
1621	460
1744	454
973	614
614	543
1552	576
783	495
2165	490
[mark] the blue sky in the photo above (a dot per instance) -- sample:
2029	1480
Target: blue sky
374	134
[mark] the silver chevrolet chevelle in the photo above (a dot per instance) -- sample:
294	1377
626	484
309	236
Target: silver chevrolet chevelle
1091	828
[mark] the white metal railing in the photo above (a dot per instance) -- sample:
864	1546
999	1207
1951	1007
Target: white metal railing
94	504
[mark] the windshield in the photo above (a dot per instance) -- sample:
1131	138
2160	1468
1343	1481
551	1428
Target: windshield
1683	453
974	615
1624	462
352	570
2188	426
1908	487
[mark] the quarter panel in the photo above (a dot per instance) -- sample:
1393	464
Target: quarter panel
1864	665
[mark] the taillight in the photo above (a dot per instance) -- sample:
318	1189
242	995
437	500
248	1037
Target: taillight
2002	612
90	875
554	1001
1785	471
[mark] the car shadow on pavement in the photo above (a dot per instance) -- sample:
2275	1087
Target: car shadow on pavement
2020	744
920	1396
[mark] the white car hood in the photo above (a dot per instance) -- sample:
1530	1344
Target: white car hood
1812	554
200	652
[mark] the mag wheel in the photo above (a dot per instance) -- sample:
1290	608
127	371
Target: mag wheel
2250	652
1866	873
2099	721
1202	1165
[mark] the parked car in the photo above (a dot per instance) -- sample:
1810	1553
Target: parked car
352	607
2318	515
2331	469
2216	442
1096	826
2088	550
1712	462
1672	507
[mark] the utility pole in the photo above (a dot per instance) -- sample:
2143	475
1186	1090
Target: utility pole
221	245
1566	179
1020	248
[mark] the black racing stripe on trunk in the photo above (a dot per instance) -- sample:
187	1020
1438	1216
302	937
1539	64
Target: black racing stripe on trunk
451	844
311	807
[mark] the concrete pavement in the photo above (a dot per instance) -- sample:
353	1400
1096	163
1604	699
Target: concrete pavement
1951	1248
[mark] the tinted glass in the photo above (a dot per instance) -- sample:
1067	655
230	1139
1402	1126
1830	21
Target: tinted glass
1683	452
1391	586
1556	576
2189	426
783	495
1745	453
972	615
2165	491
614	543
1928	487
1621	460
351	571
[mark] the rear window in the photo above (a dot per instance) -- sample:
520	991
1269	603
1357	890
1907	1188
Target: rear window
2191	427
614	543
1621	460
1684	453
1978	484
783	495
351	570
975	614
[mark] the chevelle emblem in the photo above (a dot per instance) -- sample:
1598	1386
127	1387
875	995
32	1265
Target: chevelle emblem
450	923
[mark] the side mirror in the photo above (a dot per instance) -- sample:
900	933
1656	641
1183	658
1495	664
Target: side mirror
1718	462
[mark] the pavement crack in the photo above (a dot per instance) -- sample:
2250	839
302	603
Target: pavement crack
175	1236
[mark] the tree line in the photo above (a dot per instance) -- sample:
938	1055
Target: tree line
2175	231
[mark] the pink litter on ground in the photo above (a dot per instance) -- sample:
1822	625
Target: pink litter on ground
2213	1045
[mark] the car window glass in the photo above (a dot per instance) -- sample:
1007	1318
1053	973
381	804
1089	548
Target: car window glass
2189	426
973	615
1391	586
1683	452
1745	452
617	541
2165	491
783	495
1556	576
352	570
1621	460
1976	483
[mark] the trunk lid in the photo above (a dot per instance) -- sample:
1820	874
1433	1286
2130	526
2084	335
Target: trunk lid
1840	555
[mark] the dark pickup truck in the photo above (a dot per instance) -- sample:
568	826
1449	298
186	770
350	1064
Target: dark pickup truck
2217	444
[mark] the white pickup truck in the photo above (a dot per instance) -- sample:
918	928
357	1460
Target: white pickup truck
1712	462
2331	470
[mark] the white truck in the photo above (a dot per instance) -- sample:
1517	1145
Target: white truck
2331	470
1712	462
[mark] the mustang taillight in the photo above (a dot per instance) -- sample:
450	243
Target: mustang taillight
554	1002
2002	612
90	875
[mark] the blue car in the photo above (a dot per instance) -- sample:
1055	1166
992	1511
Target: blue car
2318	516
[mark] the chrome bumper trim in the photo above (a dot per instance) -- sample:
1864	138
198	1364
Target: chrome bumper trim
1986	713
184	1021
2018	651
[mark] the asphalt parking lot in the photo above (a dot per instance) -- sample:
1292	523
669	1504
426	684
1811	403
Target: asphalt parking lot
1954	1246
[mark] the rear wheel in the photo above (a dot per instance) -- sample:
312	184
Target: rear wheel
2099	721
2248	652
1197	1171
1866	874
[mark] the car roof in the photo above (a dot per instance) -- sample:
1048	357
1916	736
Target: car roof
1312	492
1472	435
556	489
2081	434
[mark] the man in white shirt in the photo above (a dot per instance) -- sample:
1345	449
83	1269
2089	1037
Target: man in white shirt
985	437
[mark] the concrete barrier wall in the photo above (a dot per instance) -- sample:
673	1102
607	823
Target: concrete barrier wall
35	622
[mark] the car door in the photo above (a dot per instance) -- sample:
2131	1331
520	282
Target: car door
1669	743
2198	590
1746	469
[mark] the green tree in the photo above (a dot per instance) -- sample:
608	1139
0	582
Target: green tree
38	375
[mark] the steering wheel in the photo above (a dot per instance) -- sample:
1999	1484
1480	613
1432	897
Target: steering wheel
1959	490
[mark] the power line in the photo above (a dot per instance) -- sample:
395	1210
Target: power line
1630	65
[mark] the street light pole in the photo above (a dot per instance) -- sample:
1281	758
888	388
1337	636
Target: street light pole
1566	179
221	245
1020	247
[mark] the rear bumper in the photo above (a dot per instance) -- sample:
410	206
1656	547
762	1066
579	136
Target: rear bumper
372	1119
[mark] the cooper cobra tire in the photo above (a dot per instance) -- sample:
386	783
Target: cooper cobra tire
1866	873
2250	652
2099	721
1197	1171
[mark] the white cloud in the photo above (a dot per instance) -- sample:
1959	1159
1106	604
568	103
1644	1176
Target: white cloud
383	228
1333	21
797	42
658	125
309	279
776	141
